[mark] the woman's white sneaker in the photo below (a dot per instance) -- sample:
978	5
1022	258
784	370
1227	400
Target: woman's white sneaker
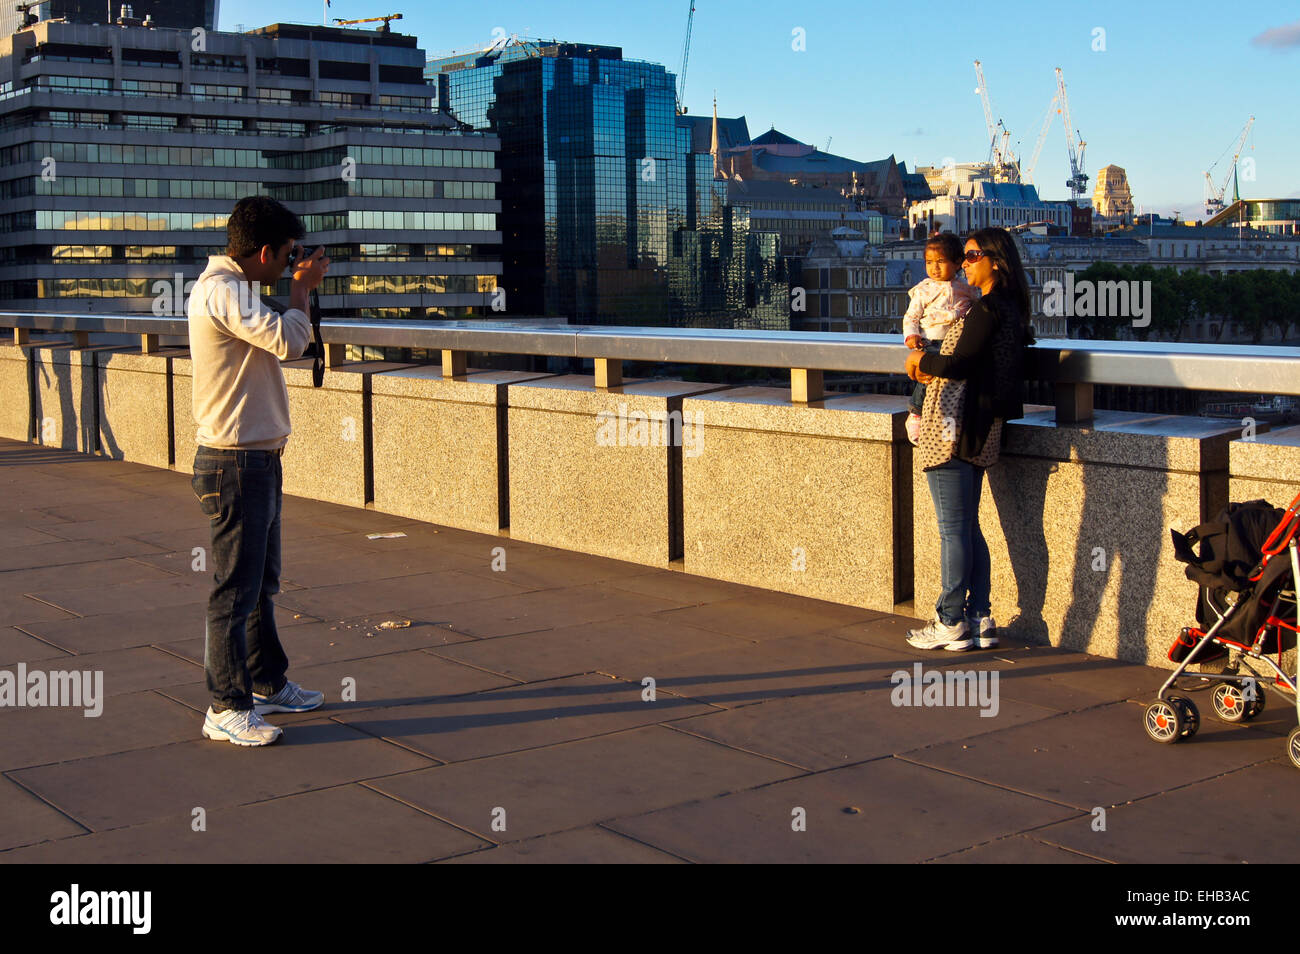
240	726
939	635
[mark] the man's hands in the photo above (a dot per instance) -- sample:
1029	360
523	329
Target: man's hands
913	368
307	274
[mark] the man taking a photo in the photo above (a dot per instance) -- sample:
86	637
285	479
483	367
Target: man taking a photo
241	406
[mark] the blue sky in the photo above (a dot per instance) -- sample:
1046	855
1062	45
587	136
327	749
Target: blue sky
1168	94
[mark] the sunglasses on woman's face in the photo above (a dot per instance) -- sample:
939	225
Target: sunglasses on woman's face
974	255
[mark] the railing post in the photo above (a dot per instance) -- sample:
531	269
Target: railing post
609	372
335	354
22	336
148	344
453	363
1073	403
81	339
806	385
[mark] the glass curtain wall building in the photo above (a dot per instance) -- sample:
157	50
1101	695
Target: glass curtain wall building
123	150
608	215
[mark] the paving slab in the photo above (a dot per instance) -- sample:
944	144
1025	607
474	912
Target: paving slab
124	670
1101	757
26	820
137	720
770	669
318	572
683	587
1241	817
17	534
149	595
17	646
822	732
580	783
310	642
882	811
376	682
1017	850
67	552
771	616
630	647
348	823
521	717
130	788
536	567
418	590
121	630
584	846
20	610
543	609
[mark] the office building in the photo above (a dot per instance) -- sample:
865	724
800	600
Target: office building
123	149
611	212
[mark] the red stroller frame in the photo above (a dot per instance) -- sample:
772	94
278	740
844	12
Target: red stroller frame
1237	698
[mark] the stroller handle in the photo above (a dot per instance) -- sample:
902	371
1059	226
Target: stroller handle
1284	531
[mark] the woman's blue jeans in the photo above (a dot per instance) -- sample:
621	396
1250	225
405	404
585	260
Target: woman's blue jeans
955	488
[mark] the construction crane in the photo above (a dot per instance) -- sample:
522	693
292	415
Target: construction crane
1214	194
1001	159
686	58
1052	109
1078	181
382	29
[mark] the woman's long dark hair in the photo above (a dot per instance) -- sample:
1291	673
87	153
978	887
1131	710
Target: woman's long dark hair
1000	248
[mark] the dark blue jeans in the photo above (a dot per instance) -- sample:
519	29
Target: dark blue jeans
955	488
918	393
240	492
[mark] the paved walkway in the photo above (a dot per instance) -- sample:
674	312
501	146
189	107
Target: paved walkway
510	720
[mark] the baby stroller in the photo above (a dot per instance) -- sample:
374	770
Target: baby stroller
1248	570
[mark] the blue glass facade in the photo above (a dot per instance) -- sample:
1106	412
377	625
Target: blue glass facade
607	216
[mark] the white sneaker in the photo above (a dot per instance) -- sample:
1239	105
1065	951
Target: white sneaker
938	635
291	698
240	726
985	630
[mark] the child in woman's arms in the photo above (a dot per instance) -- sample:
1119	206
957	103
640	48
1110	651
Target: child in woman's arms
936	302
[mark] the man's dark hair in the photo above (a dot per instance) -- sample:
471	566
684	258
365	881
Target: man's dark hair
947	245
258	220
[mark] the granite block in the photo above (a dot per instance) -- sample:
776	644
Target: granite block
810	499
15	393
65	396
135	407
183	425
328	454
593	470
440	446
1077	522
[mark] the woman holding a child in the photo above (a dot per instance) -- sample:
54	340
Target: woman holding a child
975	383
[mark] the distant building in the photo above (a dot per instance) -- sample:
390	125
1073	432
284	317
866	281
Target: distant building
123	150
1278	216
1112	198
801	215
612	212
1216	250
776	157
172	14
981	203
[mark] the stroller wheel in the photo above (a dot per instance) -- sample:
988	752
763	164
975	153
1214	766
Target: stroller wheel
1191	715
1230	703
1293	746
1164	722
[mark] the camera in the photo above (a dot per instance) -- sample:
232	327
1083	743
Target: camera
300	253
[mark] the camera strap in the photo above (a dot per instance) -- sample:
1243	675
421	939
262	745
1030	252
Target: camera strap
318	361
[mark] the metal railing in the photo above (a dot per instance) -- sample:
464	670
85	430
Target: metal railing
1073	367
